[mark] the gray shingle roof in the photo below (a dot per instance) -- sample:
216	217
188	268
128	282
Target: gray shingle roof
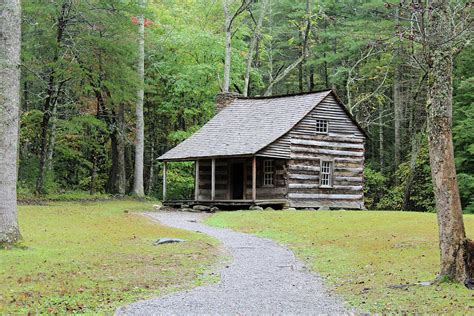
246	126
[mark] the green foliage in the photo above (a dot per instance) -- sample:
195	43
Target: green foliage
80	143
392	199
464	141
81	196
74	148
466	190
420	192
180	179
374	187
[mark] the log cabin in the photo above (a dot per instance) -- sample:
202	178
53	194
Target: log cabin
301	151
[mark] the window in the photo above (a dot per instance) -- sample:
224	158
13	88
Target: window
325	174
322	126
268	173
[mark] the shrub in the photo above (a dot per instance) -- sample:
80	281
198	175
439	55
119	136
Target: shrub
374	188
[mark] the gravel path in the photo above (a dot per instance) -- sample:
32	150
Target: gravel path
264	278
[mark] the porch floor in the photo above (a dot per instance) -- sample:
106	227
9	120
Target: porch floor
227	203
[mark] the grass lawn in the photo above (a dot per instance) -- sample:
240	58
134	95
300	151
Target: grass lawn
94	257
361	253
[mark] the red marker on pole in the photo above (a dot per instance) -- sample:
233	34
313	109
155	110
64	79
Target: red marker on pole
147	22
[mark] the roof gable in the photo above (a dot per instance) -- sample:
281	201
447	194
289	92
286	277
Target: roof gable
330	108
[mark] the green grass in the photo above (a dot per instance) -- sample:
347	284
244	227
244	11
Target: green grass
71	196
361	253
94	257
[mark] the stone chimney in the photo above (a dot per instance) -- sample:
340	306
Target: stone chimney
224	99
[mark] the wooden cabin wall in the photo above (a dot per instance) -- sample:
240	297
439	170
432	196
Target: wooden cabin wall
278	191
205	179
344	145
279	148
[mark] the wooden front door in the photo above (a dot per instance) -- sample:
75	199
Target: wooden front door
237	180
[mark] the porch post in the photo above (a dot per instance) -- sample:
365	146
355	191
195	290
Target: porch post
254	178
213	179
164	181
196	181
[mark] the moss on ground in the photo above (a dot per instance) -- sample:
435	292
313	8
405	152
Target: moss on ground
362	253
94	257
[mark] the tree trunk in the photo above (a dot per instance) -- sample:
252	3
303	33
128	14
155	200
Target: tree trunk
326	70
93	175
415	150
52	139
282	76
381	141
397	104
10	31
270	48
43	153
48	110
452	236
301	64
151	174
300	77
25	96
50	98
311	78
397	115
140	125
129	167
305	38
117	173
116	183
257	53
253	44
116	125
117	178
228	46
334	49
454	246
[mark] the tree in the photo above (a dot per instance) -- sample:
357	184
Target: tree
107	58
442	28
253	43
138	189
228	21
304	35
397	103
54	86
10	30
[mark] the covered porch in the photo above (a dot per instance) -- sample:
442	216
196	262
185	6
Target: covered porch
234	182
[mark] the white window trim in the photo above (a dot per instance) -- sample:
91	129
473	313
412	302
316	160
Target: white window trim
271	173
331	173
327	126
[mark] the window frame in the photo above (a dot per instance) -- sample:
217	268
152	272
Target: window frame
270	171
319	126
330	173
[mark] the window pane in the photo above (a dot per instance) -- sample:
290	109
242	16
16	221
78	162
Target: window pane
325	173
321	126
268	173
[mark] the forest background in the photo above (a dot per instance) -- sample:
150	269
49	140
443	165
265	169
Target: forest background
79	84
